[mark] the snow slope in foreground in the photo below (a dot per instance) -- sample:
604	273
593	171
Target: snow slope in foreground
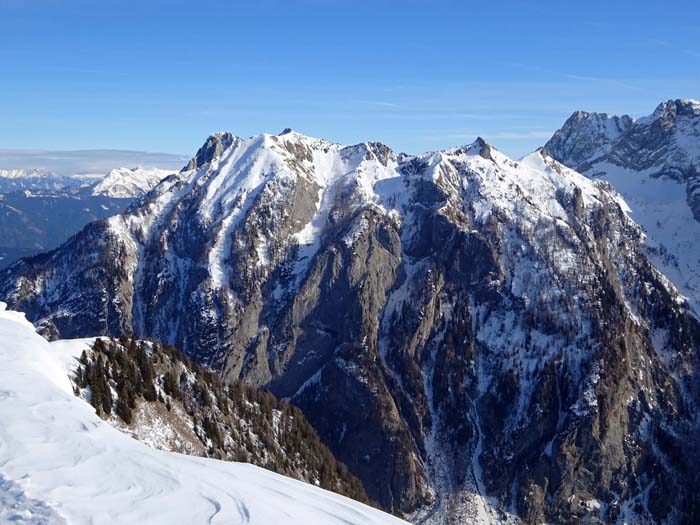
60	463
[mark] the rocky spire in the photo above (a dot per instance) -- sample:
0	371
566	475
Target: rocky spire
212	148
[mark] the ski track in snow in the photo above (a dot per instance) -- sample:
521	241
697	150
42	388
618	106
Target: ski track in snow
60	463
17	508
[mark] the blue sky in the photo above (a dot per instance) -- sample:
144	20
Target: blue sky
417	75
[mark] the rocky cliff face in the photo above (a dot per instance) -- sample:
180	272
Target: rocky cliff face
475	337
654	162
586	138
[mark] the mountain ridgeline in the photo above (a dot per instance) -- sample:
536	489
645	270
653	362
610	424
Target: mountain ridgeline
476	338
666	143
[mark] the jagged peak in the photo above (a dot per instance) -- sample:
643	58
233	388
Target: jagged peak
580	116
478	147
485	149
666	109
675	107
212	148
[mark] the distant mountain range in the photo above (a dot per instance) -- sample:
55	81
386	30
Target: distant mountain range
40	180
39	210
85	162
480	339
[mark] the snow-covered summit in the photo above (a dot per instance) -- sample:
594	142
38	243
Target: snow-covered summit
60	463
124	183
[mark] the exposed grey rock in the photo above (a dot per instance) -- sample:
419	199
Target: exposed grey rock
212	148
586	137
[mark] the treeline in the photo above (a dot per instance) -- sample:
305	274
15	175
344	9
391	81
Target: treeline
232	421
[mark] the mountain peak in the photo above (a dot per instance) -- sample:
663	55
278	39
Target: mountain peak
585	136
669	110
318	271
212	148
478	147
123	183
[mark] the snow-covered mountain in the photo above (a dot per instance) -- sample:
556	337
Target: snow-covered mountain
477	338
654	162
60	463
124	183
51	207
38	180
120	183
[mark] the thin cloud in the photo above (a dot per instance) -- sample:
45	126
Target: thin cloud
659	42
571	76
378	103
505	135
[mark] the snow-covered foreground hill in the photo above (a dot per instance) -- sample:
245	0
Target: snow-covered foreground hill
60	463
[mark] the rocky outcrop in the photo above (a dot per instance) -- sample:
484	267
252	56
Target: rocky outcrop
212	148
664	144
476	338
586	138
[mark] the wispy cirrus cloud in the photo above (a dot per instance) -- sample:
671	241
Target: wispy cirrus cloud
505	135
378	103
659	42
665	43
586	78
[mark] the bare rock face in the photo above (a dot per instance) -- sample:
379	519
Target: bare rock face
212	148
664	144
587	137
478	339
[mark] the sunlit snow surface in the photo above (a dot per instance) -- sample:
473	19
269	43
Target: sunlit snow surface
60	463
124	183
658	204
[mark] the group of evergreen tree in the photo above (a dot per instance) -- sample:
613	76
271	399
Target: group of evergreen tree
233	421
95	374
123	366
